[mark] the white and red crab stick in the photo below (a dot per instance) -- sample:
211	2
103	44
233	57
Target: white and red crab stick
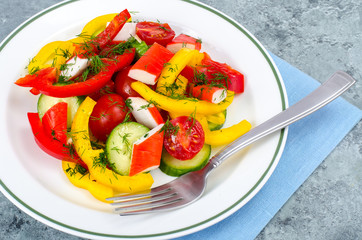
147	151
128	30
144	112
148	68
74	67
184	41
209	93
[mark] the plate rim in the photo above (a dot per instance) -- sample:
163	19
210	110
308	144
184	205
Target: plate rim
223	214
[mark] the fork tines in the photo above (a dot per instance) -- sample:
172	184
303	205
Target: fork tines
144	202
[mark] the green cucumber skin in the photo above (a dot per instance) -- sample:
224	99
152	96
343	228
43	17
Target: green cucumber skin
175	168
214	126
46	102
119	151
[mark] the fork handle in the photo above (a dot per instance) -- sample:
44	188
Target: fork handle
327	92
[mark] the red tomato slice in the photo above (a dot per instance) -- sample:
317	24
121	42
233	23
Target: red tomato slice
109	111
123	84
184	137
152	32
55	122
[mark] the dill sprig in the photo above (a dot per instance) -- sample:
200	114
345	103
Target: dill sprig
77	169
101	161
169	129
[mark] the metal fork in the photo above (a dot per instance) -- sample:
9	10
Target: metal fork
189	187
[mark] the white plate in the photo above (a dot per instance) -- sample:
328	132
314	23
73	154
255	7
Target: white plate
35	182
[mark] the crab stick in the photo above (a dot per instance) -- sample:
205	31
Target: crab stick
209	93
127	31
74	67
184	41
144	112
147	151
149	66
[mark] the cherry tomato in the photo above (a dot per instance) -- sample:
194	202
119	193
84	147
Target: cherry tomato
184	137
107	89
220	73
123	84
152	32
109	111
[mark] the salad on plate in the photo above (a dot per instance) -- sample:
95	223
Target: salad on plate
126	97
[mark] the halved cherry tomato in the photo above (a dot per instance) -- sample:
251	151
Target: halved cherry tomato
184	137
152	32
55	122
220	73
109	111
122	84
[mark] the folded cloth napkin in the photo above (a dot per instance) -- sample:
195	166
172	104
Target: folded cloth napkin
305	149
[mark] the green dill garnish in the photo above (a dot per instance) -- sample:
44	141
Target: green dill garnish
165	29
126	142
96	144
169	129
128	103
101	161
96	64
192	120
69	150
117	149
63	53
127	118
34	70
117	49
219	76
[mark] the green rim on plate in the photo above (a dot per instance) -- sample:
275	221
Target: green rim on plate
276	153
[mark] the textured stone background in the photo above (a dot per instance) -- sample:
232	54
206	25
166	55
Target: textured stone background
318	37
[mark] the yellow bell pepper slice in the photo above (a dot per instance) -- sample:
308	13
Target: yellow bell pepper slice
197	59
173	68
225	135
180	86
53	54
87	182
219	137
182	106
93	158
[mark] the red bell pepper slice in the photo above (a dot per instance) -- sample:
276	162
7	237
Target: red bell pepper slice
221	73
105	37
55	122
43	79
49	145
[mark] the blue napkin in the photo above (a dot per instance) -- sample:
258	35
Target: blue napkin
309	142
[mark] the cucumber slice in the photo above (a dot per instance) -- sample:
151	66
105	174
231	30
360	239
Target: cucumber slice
45	102
119	145
175	167
216	126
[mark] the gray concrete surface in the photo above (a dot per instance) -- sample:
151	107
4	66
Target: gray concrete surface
316	36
